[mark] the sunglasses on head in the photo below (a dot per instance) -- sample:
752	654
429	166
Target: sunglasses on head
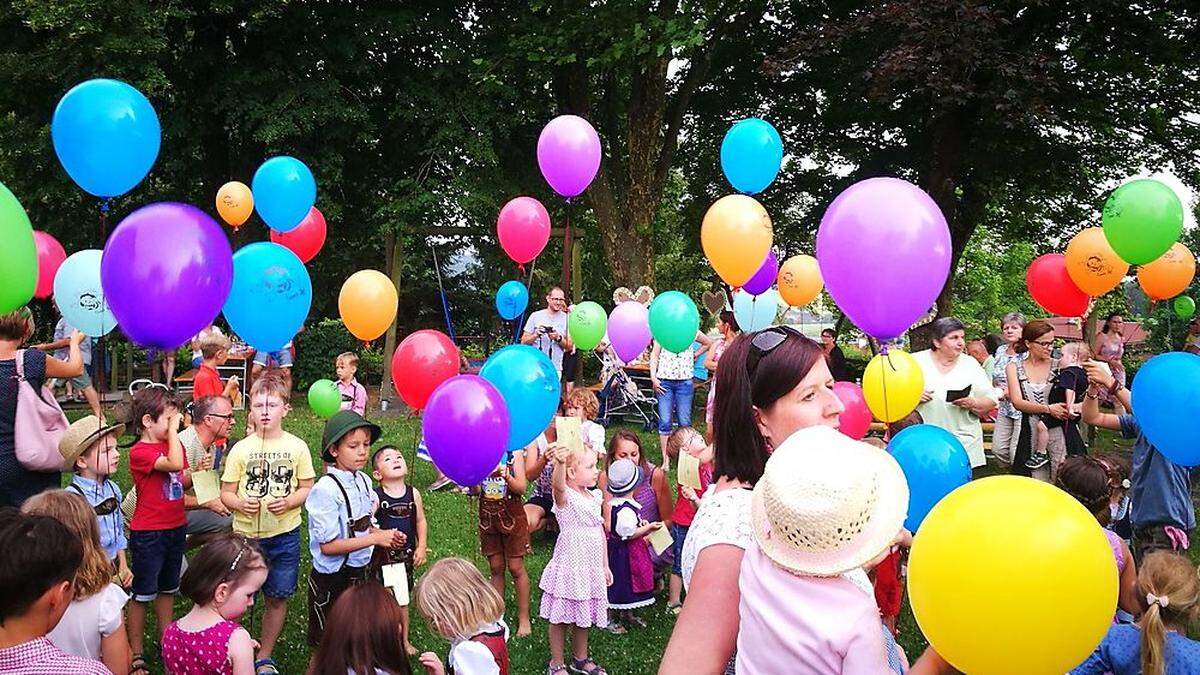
765	342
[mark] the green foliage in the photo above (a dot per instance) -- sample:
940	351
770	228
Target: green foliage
991	282
317	349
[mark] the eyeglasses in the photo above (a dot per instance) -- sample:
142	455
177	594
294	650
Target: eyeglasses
1045	343
224	417
766	342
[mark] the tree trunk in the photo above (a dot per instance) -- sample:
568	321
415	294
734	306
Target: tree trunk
394	250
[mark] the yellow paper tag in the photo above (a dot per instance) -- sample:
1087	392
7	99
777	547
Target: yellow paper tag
660	540
689	471
395	577
570	433
207	486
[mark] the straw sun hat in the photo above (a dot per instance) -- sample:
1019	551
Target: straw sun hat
827	504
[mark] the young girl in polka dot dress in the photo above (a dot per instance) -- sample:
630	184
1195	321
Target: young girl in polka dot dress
222	580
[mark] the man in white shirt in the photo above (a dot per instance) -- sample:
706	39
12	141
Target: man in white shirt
546	329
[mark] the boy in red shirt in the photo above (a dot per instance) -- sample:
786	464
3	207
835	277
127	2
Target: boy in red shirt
214	347
158	530
686	440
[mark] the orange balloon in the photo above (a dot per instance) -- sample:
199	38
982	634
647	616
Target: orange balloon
1170	275
800	280
368	303
1093	264
235	203
736	235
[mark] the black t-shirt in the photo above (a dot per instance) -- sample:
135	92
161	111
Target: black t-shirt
1072	378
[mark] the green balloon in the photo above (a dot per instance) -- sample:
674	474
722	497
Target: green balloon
1185	307
1142	219
586	325
324	398
674	321
18	254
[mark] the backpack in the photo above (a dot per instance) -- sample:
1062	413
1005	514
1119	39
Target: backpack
38	425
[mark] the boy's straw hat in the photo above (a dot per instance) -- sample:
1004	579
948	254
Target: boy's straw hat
827	504
80	436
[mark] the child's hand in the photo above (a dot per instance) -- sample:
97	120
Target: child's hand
385	538
277	506
233	380
420	556
431	663
174	423
216	507
688	493
249	506
608	577
77	337
125	575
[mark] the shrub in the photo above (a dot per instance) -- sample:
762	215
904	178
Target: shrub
318	346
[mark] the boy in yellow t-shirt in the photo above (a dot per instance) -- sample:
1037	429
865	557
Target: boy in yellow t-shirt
267	478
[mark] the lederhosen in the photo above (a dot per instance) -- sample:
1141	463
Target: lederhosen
324	589
495	643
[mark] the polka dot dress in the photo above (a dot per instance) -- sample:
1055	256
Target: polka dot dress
574	588
204	652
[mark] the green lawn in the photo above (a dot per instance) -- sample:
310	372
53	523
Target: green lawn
452	530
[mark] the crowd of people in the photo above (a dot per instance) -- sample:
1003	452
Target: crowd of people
780	551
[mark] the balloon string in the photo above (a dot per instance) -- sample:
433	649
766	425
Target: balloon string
566	273
105	205
887	412
442	291
528	289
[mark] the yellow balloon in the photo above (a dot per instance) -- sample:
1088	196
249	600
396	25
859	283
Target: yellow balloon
1093	264
736	235
1170	275
368	303
800	280
1031	592
235	203
892	385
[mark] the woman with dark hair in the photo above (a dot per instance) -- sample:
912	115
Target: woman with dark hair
833	354
727	326
1029	390
1109	348
957	391
770	384
362	635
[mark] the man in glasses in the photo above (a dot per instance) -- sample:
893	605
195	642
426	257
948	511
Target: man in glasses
212	418
546	329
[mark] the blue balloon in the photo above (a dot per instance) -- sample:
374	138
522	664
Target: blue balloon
530	385
934	462
512	299
751	155
106	135
271	295
284	192
1167	407
755	312
79	295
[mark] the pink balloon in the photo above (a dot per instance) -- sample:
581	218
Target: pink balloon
569	154
765	276
856	418
50	255
523	228
306	239
629	330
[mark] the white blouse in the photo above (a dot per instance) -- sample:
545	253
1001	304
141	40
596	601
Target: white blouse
723	518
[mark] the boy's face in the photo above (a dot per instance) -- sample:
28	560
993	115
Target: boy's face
155	428
102	458
696	447
268	411
351	451
345	371
390	465
222	356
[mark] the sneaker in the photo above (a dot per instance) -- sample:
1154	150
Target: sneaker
1037	460
439	484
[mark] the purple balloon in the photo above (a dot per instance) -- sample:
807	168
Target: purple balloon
884	251
568	154
166	272
765	276
466	427
629	330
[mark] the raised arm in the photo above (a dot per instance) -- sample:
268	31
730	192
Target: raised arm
559	480
73	366
1098	379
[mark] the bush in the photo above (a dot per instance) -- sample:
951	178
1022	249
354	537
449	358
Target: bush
318	346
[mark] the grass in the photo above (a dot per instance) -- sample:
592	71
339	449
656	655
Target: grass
452	532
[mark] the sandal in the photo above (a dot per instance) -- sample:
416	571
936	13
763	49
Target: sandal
615	628
635	620
265	667
586	667
138	665
552	669
675	607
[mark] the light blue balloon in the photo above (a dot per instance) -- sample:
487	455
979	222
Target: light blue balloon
751	155
284	192
755	312
1166	406
530	385
270	297
79	296
934	462
106	135
512	299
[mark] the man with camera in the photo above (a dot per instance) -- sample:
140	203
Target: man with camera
546	329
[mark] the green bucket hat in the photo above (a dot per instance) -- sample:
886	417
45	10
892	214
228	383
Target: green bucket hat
341	424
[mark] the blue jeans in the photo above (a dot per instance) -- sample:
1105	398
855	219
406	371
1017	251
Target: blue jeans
282	554
676	396
157	559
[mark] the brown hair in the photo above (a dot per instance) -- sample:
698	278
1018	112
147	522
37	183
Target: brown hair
39	554
585	400
1032	331
213	344
16	325
678	438
456	600
73	511
363	633
272	382
1171	577
152	401
224	560
1108	321
1086	479
627	435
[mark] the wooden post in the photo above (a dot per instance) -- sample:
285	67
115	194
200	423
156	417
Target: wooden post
394	266
576	270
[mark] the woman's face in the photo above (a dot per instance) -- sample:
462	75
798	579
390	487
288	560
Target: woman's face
811	403
951	343
826	339
626	449
1012	332
1040	348
1116	323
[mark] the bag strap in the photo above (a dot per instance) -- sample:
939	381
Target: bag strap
20	360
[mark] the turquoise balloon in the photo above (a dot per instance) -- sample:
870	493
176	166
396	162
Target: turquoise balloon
674	321
935	464
284	192
106	135
79	296
324	398
18	255
1166	406
755	312
270	297
751	155
529	384
512	299
1185	307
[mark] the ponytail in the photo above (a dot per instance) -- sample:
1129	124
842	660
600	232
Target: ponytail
1154	635
1171	588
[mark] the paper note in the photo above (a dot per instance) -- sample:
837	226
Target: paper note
570	433
395	577
660	540
689	471
207	486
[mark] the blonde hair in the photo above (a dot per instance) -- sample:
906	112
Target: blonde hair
679	438
213	344
1171	579
73	511
272	382
456	600
349	357
1081	351
585	400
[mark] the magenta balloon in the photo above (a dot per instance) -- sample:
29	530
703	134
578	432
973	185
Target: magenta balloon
855	420
765	276
166	272
523	228
884	251
629	330
569	154
466	425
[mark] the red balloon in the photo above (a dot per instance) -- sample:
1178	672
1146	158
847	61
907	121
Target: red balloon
523	229
50	255
1051	287
422	361
856	418
306	239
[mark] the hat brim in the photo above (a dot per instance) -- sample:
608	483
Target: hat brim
374	429
626	489
891	508
86	442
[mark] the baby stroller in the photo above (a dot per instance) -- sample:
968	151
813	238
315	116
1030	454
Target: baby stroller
622	398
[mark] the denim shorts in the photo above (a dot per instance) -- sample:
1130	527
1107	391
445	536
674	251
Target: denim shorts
157	559
280	359
678	536
282	553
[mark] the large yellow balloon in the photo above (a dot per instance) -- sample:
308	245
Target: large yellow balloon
892	385
736	235
368	303
235	203
1170	275
1093	264
800	280
1032	591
